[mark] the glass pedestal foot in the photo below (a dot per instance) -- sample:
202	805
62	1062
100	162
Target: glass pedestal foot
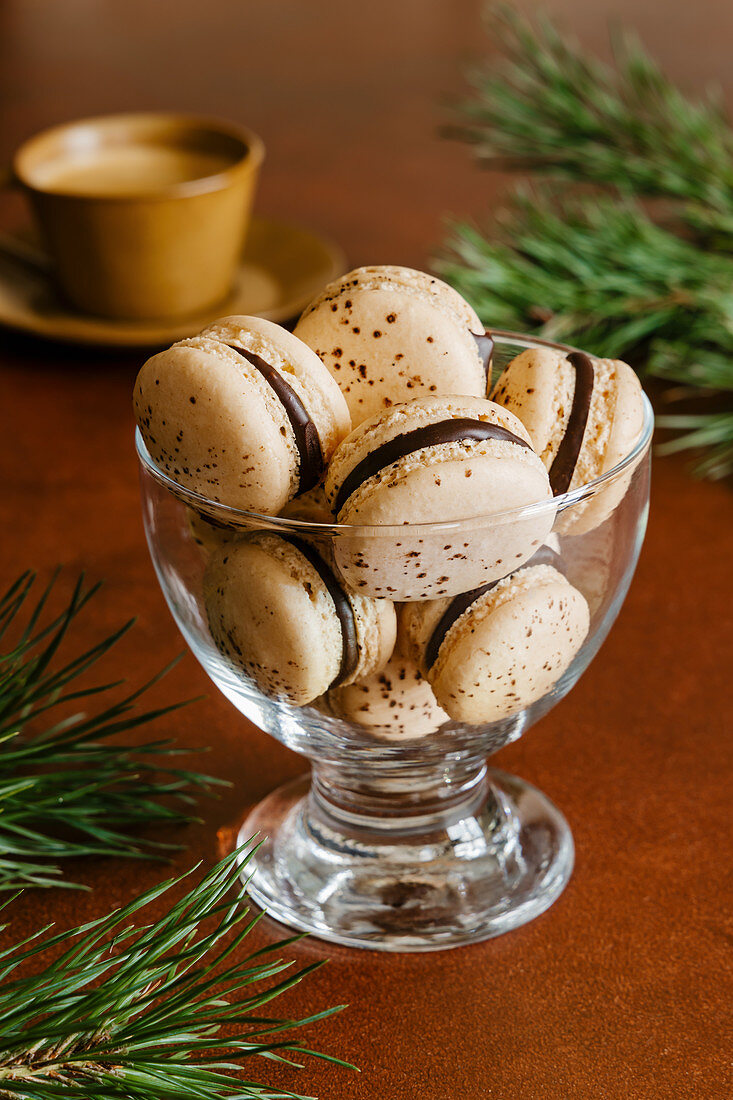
497	861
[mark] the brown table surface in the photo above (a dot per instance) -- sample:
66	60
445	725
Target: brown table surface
619	991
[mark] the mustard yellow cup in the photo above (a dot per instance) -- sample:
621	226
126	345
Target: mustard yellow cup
144	215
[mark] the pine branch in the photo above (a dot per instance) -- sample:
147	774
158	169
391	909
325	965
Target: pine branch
711	433
65	790
550	109
599	271
132	1011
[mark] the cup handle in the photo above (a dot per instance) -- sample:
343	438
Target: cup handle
15	247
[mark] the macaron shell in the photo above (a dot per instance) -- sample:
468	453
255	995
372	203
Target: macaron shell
411	278
418	412
395	704
538	386
299	364
628	413
599	506
451	481
511	648
385	341
374	620
425	564
376	626
215	429
615	423
437	484
270	616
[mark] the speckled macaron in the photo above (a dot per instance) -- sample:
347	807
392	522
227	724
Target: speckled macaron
277	612
584	416
436	460
394	704
388	334
244	414
492	652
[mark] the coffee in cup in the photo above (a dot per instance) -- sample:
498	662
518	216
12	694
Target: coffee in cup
144	215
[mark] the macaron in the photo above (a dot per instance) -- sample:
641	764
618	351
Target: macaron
244	414
584	416
436	460
388	334
278	613
394	704
492	652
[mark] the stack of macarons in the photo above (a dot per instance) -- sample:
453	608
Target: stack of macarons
401	598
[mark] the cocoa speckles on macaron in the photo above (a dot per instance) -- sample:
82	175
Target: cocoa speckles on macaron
491	653
396	704
413	333
408	467
278	613
442	501
584	415
250	396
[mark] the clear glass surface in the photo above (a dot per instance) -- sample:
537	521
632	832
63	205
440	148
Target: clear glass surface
407	841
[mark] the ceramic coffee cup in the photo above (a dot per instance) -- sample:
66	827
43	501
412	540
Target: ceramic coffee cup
143	215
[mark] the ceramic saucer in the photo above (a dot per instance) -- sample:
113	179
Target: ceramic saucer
283	267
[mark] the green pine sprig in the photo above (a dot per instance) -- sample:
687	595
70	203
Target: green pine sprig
549	108
599	269
68	787
169	1010
601	272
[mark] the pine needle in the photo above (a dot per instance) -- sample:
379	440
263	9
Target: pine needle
599	270
552	109
66	790
121	1009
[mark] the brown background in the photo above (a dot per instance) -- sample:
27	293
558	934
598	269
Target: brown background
620	990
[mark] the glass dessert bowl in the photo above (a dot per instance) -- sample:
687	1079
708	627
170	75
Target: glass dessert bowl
402	838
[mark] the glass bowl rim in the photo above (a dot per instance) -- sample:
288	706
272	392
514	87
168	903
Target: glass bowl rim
242	518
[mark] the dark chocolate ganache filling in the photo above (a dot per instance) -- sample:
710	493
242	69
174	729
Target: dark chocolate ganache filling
544	556
344	610
564	462
306	435
430	435
485	345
